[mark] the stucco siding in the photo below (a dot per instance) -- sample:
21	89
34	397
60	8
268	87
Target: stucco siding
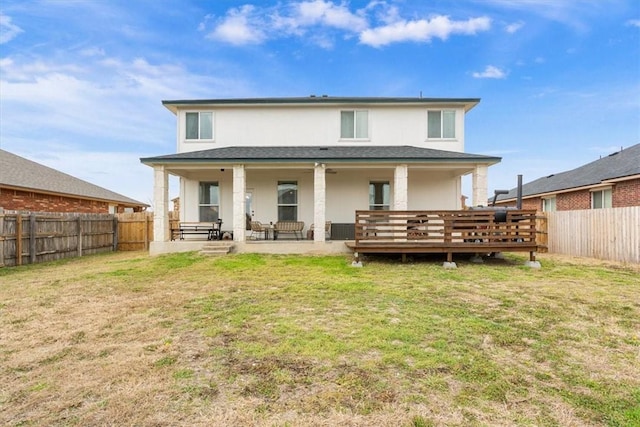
346	192
290	126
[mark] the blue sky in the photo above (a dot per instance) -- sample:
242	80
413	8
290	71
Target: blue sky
81	82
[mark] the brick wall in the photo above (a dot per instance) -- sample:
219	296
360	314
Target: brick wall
574	200
626	193
532	203
38	202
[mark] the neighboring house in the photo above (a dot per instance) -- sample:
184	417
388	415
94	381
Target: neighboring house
315	159
612	181
29	186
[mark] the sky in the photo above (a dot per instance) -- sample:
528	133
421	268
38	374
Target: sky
82	81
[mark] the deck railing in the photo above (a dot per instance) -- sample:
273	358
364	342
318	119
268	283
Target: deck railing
448	231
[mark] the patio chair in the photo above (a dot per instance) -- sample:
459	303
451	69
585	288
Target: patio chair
327	230
257	228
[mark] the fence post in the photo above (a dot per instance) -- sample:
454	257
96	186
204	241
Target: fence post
2	238
115	233
18	238
32	238
79	234
146	231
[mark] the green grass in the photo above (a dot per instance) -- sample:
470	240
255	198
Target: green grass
487	344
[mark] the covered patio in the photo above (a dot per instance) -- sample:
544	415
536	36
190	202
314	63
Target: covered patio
327	183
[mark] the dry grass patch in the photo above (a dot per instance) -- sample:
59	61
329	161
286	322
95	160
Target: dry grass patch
125	339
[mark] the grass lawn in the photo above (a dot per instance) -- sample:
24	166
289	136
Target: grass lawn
184	340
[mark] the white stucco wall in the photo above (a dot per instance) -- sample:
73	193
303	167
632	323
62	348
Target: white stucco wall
318	125
347	190
430	190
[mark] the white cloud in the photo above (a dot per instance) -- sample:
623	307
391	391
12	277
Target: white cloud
514	27
490	72
8	30
423	30
240	26
103	101
634	22
254	25
325	13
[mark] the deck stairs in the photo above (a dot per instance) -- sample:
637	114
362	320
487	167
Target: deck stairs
217	247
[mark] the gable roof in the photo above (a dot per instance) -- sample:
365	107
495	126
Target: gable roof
20	173
369	154
625	163
467	103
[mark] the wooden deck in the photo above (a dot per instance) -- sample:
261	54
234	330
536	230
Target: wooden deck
448	232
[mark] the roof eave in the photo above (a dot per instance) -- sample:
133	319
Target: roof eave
175	105
158	162
74	196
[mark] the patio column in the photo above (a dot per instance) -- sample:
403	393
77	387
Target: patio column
239	190
319	201
401	188
479	184
160	204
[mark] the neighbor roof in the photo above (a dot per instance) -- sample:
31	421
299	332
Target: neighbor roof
18	172
624	163
468	103
371	154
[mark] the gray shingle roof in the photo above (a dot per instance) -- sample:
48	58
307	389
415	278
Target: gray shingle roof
469	103
373	154
18	172
617	165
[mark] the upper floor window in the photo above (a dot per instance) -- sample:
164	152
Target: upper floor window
601	199
199	126
441	124
209	202
379	196
287	200
354	124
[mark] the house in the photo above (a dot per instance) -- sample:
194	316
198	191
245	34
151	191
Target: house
612	181
29	186
314	159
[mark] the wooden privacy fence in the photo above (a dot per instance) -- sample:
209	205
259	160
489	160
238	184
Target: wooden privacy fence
29	238
135	230
611	234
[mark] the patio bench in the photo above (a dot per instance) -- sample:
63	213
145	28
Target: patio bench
292	227
210	229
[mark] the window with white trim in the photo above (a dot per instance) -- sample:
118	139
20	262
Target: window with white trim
209	202
354	124
379	196
199	126
601	199
287	200
441	124
549	204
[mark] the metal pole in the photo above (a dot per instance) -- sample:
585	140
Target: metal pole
519	194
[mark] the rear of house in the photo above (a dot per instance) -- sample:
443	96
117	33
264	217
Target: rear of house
313	160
